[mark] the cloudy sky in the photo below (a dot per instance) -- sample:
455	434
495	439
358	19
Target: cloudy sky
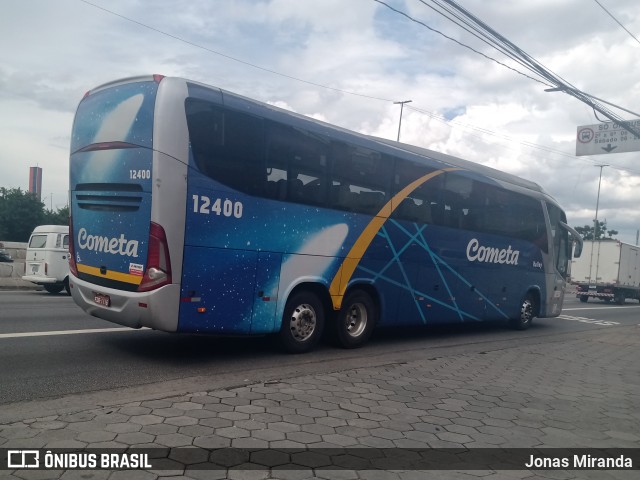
345	62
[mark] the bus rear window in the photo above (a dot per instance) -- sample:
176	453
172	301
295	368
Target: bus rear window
122	113
38	241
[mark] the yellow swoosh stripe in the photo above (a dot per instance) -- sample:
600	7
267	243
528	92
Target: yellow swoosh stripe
111	275
345	272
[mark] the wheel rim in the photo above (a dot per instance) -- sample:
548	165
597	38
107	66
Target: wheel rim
303	322
526	312
356	319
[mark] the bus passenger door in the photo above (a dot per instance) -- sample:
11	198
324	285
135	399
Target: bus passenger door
561	256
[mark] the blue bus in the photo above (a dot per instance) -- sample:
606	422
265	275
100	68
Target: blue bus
197	210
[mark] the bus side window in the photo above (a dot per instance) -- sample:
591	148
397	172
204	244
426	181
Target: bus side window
340	196
227	145
360	179
299	158
417	206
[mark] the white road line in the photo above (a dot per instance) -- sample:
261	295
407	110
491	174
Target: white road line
592	321
626	307
68	332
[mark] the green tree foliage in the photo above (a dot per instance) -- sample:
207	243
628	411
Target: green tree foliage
21	212
59	217
587	232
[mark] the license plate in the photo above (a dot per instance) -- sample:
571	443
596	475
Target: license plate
34	268
102	299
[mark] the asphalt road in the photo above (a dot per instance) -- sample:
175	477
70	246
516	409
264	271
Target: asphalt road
49	349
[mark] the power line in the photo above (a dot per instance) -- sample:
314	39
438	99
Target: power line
229	57
465	19
616	20
409	17
480	133
347	92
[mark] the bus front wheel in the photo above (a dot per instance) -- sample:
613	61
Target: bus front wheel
527	313
355	321
302	322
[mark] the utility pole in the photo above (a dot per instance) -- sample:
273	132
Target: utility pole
595	227
401	108
595	221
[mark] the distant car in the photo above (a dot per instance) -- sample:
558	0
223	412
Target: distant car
5	257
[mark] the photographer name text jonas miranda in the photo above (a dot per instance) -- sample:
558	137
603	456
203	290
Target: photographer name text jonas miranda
579	461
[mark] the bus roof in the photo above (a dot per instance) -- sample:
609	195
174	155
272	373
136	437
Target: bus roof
466	164
408	151
398	148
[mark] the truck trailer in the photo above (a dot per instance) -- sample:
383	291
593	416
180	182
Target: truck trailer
608	270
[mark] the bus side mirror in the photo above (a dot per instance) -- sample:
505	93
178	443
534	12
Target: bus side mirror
577	239
577	250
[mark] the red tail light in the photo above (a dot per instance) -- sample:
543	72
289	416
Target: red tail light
73	268
158	271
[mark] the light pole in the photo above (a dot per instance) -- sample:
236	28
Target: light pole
595	221
595	227
401	108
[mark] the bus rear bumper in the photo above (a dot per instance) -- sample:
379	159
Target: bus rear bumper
157	309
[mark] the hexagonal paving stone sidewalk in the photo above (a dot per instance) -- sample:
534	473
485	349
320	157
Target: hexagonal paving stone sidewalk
579	393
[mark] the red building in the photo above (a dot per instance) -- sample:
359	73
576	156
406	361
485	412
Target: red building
35	181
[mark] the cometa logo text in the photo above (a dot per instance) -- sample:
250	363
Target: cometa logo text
479	253
118	245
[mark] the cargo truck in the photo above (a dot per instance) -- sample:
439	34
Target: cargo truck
608	270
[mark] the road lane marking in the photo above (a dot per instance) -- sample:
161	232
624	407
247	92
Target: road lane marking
626	307
592	321
69	332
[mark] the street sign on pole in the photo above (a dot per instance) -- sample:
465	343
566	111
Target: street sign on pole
607	137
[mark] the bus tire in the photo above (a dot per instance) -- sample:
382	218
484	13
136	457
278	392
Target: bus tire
53	287
66	286
619	298
584	298
356	320
527	313
302	322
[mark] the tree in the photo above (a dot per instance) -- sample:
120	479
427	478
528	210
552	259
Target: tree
20	213
587	231
60	217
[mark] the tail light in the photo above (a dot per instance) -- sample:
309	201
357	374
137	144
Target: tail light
158	271
73	268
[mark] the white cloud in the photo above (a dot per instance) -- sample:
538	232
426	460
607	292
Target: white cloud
62	49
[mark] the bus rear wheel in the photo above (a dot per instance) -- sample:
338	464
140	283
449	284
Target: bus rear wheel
527	313
302	322
355	320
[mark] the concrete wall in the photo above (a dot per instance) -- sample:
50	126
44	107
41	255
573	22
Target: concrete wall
11	273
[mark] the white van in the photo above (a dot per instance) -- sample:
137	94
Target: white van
47	261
